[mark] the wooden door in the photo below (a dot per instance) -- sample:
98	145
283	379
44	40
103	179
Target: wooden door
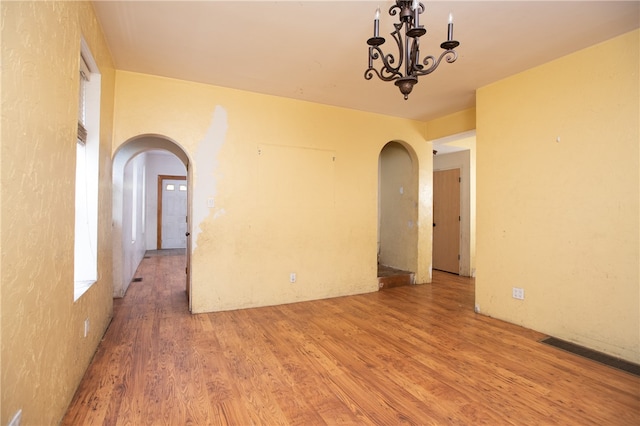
446	220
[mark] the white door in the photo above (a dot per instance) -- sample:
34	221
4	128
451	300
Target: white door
174	214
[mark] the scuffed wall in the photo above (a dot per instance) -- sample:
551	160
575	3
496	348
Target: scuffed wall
44	353
248	237
208	163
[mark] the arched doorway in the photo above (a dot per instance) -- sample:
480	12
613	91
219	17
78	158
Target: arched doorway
398	208
128	169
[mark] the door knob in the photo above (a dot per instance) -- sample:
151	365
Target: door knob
187	234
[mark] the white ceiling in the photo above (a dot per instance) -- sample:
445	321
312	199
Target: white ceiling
316	50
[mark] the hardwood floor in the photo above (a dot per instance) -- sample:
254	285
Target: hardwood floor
406	355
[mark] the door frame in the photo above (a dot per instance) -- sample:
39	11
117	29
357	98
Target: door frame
459	151
159	219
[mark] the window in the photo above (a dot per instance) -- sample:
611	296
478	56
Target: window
85	78
87	161
171	187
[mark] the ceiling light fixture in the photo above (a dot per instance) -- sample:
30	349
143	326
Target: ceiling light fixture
408	49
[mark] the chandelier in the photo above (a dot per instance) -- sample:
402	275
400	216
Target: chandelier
408	48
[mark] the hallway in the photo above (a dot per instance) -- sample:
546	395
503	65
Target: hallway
411	354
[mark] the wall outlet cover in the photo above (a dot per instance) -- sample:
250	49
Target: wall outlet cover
518	293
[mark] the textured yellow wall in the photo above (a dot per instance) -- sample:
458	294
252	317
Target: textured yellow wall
558	197
244	146
458	122
44	353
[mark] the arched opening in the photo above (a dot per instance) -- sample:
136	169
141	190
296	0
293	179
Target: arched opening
134	175
397	215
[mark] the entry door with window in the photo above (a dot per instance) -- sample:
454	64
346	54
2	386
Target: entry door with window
446	220
174	214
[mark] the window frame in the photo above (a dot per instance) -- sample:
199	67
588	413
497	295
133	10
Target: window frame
85	262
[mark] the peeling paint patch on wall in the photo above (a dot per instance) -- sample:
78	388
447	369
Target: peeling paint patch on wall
206	161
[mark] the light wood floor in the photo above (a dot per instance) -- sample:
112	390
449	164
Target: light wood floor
414	355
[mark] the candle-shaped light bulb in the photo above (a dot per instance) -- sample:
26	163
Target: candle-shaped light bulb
450	28
450	18
415	6
376	23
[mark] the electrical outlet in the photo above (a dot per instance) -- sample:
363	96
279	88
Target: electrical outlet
86	327
518	293
292	277
15	421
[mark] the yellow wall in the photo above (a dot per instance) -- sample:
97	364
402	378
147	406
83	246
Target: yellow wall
558	195
294	186
44	353
458	122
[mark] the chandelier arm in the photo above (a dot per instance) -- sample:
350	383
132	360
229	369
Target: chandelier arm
384	75
387	71
398	39
431	63
394	9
